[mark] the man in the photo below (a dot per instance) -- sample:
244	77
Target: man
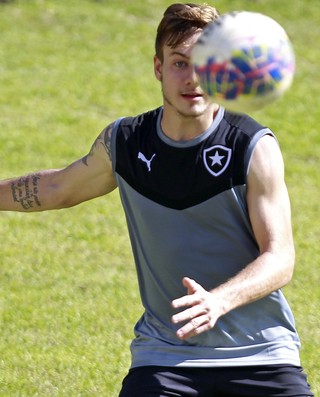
209	220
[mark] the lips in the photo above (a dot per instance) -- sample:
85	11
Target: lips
192	95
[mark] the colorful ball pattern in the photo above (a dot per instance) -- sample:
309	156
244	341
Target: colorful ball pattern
244	61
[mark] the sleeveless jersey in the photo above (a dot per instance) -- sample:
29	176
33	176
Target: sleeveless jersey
185	206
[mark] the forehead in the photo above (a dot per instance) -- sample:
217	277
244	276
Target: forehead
183	49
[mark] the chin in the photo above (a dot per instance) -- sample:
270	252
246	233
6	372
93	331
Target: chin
199	111
192	111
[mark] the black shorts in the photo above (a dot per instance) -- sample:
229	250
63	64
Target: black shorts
261	381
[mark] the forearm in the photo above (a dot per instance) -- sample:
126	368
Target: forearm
268	273
202	308
29	193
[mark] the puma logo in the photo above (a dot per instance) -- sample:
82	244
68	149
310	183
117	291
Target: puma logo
143	158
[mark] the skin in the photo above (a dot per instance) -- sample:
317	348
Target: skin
269	210
187	113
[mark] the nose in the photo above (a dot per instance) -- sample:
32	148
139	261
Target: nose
192	77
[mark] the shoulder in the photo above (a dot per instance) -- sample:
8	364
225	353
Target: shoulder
267	153
133	123
266	166
130	123
242	122
243	134
124	135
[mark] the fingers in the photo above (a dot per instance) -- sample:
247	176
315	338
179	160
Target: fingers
197	315
189	314
187	300
194	327
190	284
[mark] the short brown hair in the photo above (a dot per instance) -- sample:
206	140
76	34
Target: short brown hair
180	21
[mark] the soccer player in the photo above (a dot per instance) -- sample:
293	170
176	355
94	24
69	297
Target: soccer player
208	215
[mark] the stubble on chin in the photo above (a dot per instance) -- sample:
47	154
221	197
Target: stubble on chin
192	113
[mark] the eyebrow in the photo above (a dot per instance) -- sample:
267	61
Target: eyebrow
172	53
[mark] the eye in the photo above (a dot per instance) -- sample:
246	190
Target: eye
181	64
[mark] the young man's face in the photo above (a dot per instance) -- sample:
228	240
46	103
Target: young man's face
180	86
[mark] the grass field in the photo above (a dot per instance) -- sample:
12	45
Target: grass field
68	290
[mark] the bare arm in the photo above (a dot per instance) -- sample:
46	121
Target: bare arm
269	210
82	180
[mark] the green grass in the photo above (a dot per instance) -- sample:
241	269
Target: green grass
68	291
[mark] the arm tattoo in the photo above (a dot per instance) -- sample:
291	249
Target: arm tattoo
25	191
103	139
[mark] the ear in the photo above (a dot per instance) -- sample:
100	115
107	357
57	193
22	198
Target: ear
157	65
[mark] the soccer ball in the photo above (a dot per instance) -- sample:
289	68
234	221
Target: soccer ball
244	60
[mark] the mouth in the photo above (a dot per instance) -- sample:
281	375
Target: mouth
192	96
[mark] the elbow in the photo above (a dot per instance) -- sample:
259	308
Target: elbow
289	261
58	198
63	201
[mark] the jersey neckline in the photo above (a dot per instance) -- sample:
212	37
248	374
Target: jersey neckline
191	142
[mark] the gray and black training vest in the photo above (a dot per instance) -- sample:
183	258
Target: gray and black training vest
185	205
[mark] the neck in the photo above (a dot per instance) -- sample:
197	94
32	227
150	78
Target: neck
180	127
